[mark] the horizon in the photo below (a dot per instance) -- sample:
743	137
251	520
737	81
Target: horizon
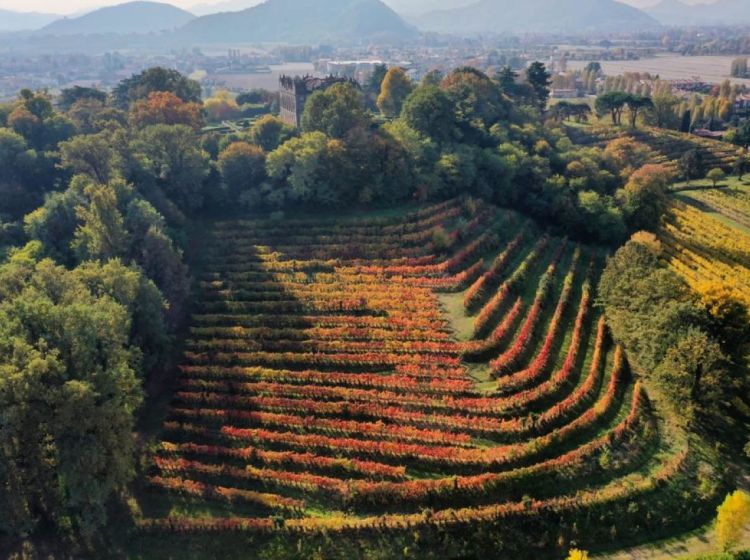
79	7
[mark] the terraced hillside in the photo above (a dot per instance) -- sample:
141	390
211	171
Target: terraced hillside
706	236
356	378
668	145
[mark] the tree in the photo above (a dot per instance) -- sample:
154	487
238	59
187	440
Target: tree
732	517
139	86
506	79
648	307
739	68
38	103
645	196
742	134
663	113
429	111
91	221
242	167
335	111
740	164
627	155
69	96
297	166
25	174
164	107
725	307
373	84
91	116
25	123
716	175
477	101
394	90
540	81
432	78
565	110
612	102
594	68
691	165
101	233
423	152
68	392
170	157
694	375
270	132
602	219
255	97
686	123
92	154
637	103
221	107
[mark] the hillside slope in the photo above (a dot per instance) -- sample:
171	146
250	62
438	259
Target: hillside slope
22	21
300	20
487	16
676	12
131	17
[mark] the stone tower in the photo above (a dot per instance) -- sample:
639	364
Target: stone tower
293	94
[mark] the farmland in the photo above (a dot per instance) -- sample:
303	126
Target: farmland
324	390
667	145
712	69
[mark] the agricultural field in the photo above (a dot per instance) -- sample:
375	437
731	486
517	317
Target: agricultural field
441	378
668	145
705	236
712	69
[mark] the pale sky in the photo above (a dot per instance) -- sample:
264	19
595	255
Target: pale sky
72	6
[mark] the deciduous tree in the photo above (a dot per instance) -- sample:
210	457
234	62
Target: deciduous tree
164	107
612	103
394	90
242	167
716	175
139	86
335	111
732	518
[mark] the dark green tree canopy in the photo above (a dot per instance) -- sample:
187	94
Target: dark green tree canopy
140	85
335	111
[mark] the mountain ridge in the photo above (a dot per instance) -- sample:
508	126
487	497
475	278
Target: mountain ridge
722	12
129	17
13	20
488	16
298	21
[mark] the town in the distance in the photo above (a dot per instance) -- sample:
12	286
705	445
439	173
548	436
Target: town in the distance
375	280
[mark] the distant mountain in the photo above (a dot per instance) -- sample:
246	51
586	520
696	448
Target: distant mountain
204	9
419	7
131	17
24	21
519	16
727	12
300	21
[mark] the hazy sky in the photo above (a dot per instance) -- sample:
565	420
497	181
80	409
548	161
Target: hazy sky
71	6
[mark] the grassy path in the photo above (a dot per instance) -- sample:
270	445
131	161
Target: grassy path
700	541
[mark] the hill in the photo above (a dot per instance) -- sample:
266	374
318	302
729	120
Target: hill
420	7
131	17
487	16
23	21
204	9
676	12
300	20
